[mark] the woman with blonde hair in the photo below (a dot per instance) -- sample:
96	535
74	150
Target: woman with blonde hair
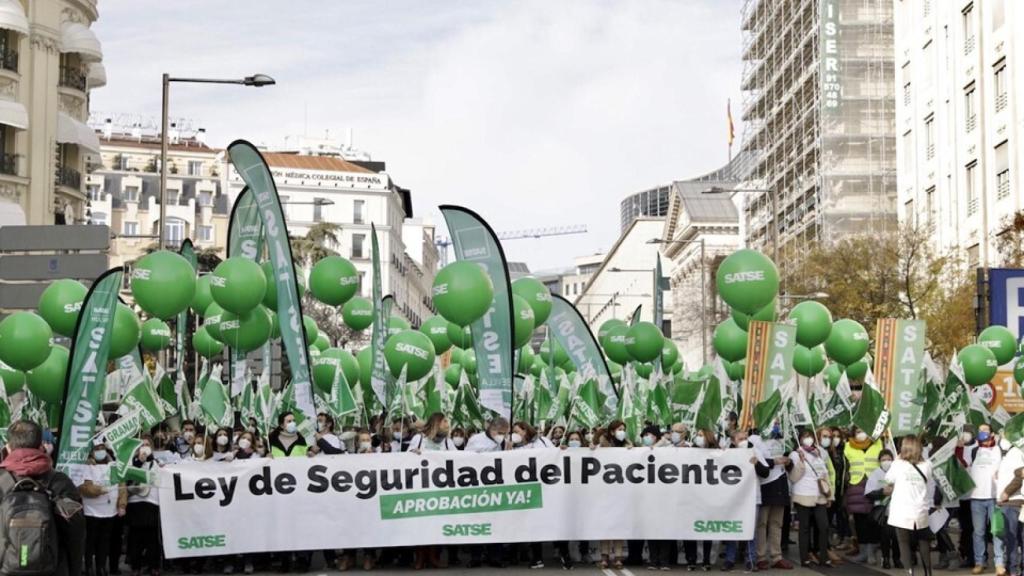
910	480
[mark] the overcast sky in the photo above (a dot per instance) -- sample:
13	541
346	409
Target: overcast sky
534	113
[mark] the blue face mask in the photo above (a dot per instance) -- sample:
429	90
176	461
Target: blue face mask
776	432
983	436
648	440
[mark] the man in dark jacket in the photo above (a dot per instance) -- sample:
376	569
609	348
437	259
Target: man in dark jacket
27	459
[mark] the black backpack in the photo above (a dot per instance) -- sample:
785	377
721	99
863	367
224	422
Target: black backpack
28	528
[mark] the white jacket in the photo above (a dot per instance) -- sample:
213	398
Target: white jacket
984	467
908	507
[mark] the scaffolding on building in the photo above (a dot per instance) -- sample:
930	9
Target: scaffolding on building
822	142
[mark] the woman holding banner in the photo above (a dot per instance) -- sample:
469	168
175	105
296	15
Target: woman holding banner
433	437
285	440
705	440
525	437
613	552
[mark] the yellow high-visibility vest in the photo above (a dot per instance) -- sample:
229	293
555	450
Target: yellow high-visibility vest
862	462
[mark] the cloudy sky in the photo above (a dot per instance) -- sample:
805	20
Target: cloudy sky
532	112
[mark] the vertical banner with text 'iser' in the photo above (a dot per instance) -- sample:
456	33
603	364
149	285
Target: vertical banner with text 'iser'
474	241
253	169
770	348
899	372
87	370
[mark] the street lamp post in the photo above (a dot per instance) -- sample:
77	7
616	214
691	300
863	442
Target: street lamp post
257	80
771	206
703	290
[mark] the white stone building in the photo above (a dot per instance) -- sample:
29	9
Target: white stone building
50	60
960	117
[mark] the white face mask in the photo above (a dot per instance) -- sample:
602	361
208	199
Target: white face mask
575	444
743	444
699	442
145	452
967	437
826	442
517	438
499	438
222	440
807	442
99	455
589	437
396	434
620	435
862	436
291	427
365	446
676	437
244	443
48	448
885	465
458	441
199	450
188	435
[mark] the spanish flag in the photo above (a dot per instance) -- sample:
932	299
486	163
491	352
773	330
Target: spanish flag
732	129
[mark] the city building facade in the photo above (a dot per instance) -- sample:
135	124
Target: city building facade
50	60
124	190
960	115
819	120
653	203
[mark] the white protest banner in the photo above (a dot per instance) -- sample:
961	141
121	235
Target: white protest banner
374	500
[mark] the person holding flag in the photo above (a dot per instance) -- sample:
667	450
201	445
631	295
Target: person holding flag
811	485
861	453
143	513
774	499
102	502
984	458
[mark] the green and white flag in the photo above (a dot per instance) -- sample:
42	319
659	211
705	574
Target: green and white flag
123	452
951	479
586	408
87	370
143	399
467	410
871	415
571	331
379	371
475	241
216	403
245	240
899	372
253	169
187	251
660	285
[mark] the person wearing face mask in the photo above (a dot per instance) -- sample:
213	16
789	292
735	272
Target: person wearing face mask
911	488
143	515
615	436
102	502
573	439
831	441
492	439
347	558
556	434
525	437
434	437
676	437
612	551
705	440
875	491
201	449
774	499
327	442
985	458
739	440
188	431
285	440
964	448
1012	461
650	436
221	448
402	432
246	446
825	444
862	455
811	490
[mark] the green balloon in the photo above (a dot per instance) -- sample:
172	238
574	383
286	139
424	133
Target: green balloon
321	343
979	364
747	280
202	299
59	305
1018	370
412	350
669	354
463	292
324	367
14	380
436	328
156	335
859	369
644	370
730	341
127	330
469	361
455	357
270	298
561	356
357	313
736	370
606	326
808	361
349	367
615	344
813	323
204	344
453	375
523	318
163	284
211	320
245	332
46	381
24	340
334	280
1000	341
238	285
461	337
310	328
644	341
526	356
397	324
536	295
766	314
847	342
833	372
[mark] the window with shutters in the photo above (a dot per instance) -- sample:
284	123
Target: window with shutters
1002	171
971	188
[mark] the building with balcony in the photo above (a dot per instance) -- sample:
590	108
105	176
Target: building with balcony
327	188
960	116
50	60
819	120
124	191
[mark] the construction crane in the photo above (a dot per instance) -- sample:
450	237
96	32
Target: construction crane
443	242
